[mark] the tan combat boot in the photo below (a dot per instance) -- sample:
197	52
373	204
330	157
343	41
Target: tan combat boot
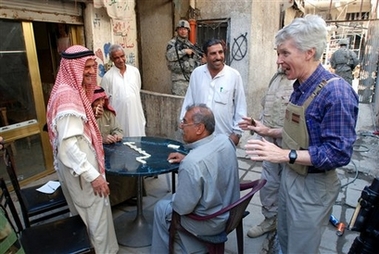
269	224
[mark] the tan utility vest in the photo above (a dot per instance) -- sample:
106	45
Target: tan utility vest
295	133
275	101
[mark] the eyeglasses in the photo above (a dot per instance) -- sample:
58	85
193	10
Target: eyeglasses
184	124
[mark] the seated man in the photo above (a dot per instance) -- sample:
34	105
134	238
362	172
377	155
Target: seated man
121	188
207	182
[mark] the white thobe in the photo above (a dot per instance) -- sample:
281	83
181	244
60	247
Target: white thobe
124	96
77	168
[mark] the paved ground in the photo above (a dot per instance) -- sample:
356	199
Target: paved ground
354	177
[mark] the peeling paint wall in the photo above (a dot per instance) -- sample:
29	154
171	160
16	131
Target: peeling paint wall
114	23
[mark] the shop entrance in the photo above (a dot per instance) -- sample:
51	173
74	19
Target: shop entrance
29	61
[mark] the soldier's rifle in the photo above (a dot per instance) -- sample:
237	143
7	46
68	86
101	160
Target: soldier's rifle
195	48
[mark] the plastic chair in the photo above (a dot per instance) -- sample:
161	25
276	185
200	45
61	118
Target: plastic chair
237	211
35	206
67	235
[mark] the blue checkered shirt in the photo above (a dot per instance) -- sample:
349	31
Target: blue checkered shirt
331	119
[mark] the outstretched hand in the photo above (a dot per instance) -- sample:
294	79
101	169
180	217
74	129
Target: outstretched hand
253	125
175	157
246	122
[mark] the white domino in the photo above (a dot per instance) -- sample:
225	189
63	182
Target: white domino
140	159
173	146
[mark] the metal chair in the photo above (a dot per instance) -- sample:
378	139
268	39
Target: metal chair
237	211
35	206
67	235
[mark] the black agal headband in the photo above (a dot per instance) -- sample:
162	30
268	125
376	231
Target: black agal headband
77	54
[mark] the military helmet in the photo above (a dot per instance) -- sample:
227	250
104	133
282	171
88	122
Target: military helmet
183	23
343	42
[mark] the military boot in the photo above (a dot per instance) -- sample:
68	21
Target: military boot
268	225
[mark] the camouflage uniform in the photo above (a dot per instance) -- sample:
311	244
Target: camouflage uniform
343	61
180	64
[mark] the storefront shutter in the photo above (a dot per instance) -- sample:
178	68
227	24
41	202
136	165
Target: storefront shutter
42	10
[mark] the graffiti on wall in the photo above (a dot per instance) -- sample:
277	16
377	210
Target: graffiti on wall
123	33
96	21
105	64
114	23
117	8
239	48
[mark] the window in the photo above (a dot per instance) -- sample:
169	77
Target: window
213	28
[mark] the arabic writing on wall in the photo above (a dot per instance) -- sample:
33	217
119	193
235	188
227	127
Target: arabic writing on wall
109	30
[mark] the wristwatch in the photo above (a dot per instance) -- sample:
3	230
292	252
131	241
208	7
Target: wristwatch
293	156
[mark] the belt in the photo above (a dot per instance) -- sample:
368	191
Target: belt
313	170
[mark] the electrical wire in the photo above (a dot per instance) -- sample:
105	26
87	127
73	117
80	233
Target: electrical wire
355	177
365	149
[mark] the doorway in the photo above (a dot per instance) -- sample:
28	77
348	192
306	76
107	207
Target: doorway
29	61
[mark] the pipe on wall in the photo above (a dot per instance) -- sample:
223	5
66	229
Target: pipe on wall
192	35
192	22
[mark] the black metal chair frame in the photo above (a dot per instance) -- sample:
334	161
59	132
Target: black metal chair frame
67	235
35	206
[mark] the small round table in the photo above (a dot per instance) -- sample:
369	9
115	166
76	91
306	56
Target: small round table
121	160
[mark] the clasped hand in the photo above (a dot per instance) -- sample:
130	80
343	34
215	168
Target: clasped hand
112	139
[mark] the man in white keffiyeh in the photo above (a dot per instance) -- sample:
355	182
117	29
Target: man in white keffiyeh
77	146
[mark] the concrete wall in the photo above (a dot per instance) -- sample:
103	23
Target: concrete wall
162	114
266	20
155	25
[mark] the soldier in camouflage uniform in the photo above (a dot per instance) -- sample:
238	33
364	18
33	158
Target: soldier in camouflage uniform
343	61
274	104
183	57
